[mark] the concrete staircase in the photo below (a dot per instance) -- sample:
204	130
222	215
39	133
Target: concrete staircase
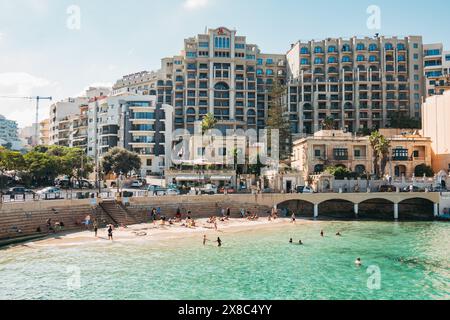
118	214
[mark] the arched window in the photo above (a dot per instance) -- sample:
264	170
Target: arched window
319	168
347	69
221	86
361	68
318	50
401	46
190	111
360	46
332	60
318	61
332	49
389	46
373	47
346	48
251	113
360	58
304	50
332	70
373	68
346	59
373	58
304	61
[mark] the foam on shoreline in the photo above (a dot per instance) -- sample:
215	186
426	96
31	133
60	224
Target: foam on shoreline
157	233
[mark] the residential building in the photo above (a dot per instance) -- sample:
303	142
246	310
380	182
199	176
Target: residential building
9	136
435	124
436	68
44	132
326	148
61	114
28	135
217	72
358	82
133	122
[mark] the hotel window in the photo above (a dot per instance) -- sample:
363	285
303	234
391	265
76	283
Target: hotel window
239	46
373	47
360	47
372	58
304	61
332	60
360	58
304	50
269	72
389	46
346	59
203	44
332	49
401	58
269	61
318	61
260	62
318	50
259	72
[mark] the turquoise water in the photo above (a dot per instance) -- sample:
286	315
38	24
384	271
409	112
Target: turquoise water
413	258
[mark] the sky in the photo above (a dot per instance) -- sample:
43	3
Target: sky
58	47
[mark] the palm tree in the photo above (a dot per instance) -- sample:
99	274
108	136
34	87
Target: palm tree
380	146
328	123
374	142
209	122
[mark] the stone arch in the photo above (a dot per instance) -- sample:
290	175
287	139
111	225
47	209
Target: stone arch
416	208
376	209
337	209
302	208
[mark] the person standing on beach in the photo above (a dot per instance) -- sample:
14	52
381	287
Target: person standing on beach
322	234
205	240
293	218
95	227
110	233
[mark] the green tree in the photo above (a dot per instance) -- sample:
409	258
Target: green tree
119	161
422	170
383	148
208	122
399	121
42	167
278	120
340	173
328	123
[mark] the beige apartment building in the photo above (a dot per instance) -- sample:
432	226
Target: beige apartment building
435	124
436	67
44	132
217	72
326	148
358	82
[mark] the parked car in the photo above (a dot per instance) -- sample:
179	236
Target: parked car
173	192
156	190
18	191
439	189
388	188
136	184
50	193
414	189
303	189
228	189
209	189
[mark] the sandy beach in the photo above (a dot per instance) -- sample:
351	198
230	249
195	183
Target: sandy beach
158	232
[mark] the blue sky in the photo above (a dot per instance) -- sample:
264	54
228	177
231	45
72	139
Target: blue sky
40	55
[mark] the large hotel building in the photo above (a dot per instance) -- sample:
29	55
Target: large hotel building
358	82
218	73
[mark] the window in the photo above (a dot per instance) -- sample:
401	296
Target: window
346	59
149	162
373	47
304	50
416	154
260	62
332	49
318	50
240	46
332	60
372	58
317	153
318	61
360	47
360	58
203	44
357	153
304	61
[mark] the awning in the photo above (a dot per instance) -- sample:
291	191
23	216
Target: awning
190	178
221	178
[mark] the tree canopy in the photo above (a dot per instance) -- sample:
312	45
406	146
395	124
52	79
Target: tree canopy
121	162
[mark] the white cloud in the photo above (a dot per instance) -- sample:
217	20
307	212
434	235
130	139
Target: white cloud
195	4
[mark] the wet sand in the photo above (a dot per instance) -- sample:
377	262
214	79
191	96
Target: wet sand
158	232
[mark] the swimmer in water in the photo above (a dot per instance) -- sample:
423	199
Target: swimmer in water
300	242
291	241
358	262
204	240
339	234
219	242
322	234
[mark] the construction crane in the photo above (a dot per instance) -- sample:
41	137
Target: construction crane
37	98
